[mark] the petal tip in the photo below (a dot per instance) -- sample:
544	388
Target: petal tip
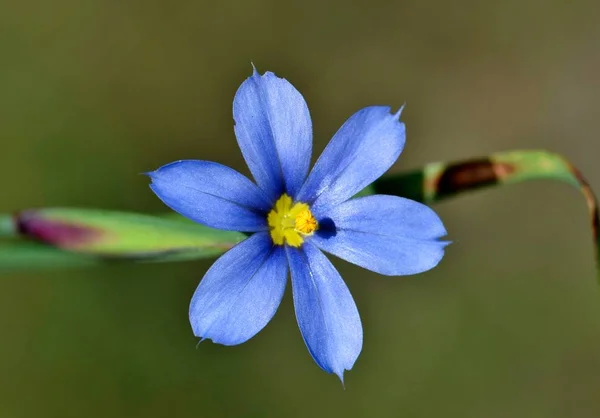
399	112
264	76
155	173
216	340
152	175
340	375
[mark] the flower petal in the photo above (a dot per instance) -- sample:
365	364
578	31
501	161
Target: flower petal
274	132
326	313
362	150
240	293
211	194
390	235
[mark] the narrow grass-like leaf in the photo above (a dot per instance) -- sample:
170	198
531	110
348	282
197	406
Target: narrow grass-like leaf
119	235
80	237
21	255
438	181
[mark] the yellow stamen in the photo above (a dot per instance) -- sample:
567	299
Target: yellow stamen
306	222
290	222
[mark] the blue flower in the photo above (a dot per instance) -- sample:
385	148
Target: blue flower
293	215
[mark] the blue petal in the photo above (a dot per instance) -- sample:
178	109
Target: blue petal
362	150
390	235
211	194
274	132
240	293
326	313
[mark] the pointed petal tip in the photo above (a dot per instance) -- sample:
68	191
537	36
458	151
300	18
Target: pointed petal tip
399	112
266	75
154	173
340	375
199	342
217	341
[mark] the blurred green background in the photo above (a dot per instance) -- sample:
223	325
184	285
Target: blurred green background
92	93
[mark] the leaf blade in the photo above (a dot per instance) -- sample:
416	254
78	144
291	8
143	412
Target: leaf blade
123	235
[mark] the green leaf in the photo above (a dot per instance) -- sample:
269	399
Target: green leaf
81	237
120	235
439	181
16	255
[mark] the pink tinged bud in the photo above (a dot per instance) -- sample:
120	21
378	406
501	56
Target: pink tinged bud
59	233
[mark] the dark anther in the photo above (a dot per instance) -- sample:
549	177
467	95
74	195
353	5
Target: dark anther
327	228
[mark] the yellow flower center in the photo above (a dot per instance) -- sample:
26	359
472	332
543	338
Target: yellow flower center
290	222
